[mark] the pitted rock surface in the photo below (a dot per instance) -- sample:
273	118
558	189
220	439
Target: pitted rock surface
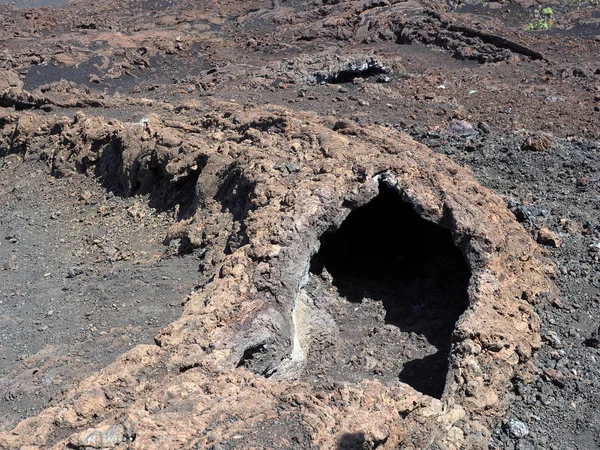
256	189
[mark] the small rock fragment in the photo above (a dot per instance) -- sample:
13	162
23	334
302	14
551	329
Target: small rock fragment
73	272
551	337
582	184
594	340
569	226
86	196
484	127
538	143
461	128
11	263
135	211
548	237
555	377
8	79
292	167
516	429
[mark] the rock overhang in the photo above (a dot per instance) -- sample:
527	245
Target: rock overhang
278	218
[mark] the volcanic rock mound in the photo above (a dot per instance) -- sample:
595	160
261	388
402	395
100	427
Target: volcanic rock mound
360	290
405	286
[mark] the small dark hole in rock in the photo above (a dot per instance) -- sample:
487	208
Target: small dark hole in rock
185	368
251	354
405	285
352	441
347	76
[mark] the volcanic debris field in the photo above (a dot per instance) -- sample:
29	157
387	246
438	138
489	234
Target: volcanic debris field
308	224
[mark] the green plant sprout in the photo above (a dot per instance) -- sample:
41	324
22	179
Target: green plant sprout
547	12
544	21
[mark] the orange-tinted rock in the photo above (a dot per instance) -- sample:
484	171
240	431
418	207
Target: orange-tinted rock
548	237
263	223
538	143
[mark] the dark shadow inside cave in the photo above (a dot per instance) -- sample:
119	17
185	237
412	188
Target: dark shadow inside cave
347	76
387	252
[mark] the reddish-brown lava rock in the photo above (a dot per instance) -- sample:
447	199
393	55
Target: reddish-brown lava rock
538	143
259	188
548	237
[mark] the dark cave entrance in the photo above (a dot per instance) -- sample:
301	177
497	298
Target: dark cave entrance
412	271
347	76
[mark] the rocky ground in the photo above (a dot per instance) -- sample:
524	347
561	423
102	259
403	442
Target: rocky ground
82	282
155	154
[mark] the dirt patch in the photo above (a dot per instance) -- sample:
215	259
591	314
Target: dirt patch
84	278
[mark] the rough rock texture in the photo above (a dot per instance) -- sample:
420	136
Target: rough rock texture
9	79
464	78
257	189
538	143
